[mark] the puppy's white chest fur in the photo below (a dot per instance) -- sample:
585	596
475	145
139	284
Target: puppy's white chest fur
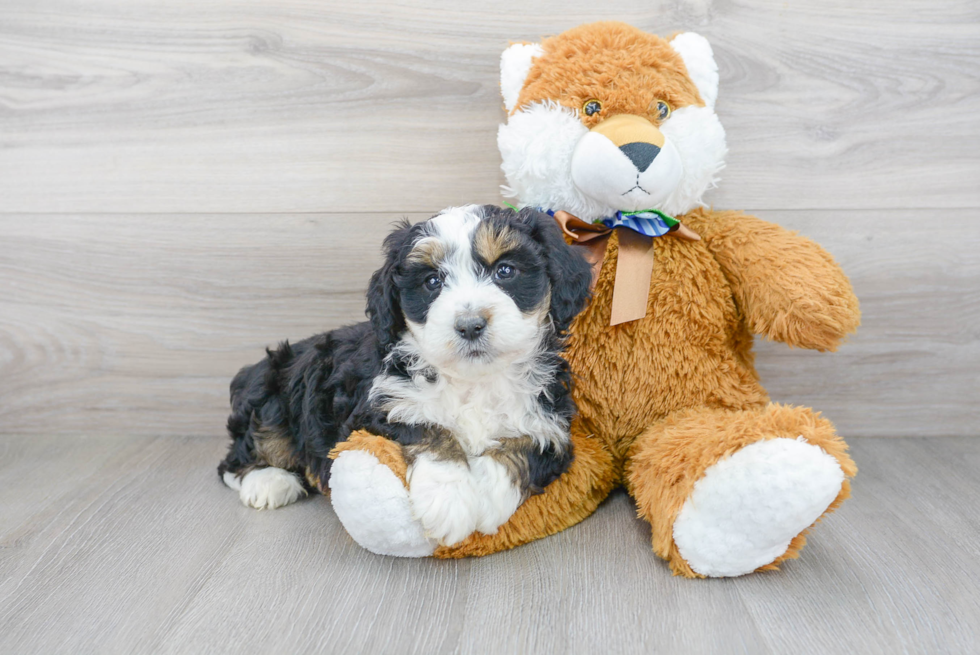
479	413
479	419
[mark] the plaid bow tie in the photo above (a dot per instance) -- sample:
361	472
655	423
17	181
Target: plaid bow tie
632	282
651	222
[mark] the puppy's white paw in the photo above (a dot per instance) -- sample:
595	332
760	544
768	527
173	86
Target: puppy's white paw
270	488
444	499
497	492
231	481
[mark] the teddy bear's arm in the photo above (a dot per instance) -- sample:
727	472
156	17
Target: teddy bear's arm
788	287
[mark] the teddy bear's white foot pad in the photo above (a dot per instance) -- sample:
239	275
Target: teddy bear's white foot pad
373	505
747	508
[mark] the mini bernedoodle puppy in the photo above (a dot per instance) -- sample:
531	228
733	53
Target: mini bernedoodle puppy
459	363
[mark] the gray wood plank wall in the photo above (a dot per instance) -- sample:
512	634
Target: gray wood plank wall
183	183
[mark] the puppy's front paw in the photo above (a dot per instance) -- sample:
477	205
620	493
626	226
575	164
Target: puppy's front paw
499	496
443	499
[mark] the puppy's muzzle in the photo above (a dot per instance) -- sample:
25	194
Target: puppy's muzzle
470	327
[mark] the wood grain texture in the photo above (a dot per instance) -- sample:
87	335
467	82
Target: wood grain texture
914	366
289	106
148	552
135	324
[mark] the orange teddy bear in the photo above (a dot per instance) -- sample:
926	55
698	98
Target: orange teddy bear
613	130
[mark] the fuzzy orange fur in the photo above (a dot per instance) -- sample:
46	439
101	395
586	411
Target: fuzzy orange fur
670	456
664	397
634	71
773	273
691	355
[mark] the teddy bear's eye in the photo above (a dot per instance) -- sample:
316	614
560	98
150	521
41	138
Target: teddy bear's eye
592	107
661	109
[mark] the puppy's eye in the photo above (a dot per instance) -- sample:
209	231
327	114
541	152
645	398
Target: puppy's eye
660	108
433	282
592	107
504	272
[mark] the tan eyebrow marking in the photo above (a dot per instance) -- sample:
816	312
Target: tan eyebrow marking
490	242
429	251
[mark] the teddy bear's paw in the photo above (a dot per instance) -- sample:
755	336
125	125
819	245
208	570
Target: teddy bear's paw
747	508
373	506
444	498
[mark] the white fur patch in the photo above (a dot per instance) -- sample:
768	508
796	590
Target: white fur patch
747	508
537	145
478	412
603	172
497	492
373	505
452	499
231	481
699	138
447	502
538	148
444	498
515	64
699	60
269	488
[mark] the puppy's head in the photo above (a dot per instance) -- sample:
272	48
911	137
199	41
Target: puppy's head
477	288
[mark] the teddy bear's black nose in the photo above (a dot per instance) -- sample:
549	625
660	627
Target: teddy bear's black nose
640	153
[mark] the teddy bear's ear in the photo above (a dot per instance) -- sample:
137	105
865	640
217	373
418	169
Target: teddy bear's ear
515	63
695	50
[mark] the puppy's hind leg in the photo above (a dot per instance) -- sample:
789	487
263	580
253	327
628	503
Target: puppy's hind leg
263	453
267	488
255	467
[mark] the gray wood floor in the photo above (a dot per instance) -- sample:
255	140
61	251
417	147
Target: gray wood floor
132	545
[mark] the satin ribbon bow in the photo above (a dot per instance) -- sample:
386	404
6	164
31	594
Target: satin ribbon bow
634	268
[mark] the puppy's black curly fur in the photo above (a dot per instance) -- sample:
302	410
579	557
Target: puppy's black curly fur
308	396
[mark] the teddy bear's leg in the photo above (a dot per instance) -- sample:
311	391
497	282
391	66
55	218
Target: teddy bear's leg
369	494
731	492
565	502
368	490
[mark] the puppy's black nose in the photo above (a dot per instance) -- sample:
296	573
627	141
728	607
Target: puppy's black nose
470	327
640	153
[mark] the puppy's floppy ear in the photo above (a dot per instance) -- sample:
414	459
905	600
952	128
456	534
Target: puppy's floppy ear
569	273
383	308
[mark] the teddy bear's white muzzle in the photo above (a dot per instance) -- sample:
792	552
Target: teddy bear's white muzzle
626	177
